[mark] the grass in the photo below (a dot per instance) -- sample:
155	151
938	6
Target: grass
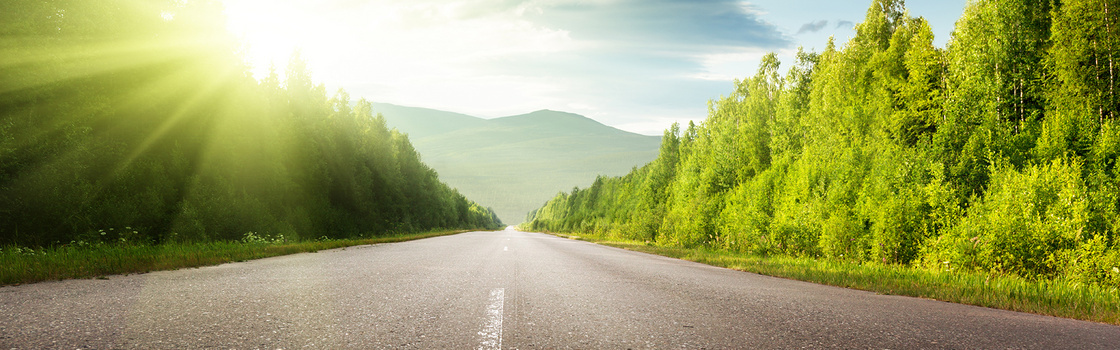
1046	297
23	265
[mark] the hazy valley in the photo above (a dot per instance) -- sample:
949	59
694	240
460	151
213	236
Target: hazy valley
514	164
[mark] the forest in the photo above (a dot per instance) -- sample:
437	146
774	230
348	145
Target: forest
139	121
997	153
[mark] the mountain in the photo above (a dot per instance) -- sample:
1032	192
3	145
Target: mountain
514	164
423	122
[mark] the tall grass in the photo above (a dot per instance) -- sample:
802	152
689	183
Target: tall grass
24	265
1059	298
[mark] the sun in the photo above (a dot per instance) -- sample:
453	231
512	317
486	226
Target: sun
271	33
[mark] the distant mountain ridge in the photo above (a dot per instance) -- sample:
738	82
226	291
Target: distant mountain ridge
516	163
423	122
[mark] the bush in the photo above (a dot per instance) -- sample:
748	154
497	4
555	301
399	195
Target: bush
1027	224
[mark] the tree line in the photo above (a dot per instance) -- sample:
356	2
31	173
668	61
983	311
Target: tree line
997	153
129	120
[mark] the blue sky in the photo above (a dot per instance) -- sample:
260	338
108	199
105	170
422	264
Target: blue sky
638	65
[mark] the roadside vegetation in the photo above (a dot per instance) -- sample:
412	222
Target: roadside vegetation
992	159
1053	297
143	115
86	260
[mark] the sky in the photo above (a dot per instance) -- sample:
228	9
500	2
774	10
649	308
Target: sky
637	65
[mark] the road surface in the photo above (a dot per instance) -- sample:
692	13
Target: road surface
490	290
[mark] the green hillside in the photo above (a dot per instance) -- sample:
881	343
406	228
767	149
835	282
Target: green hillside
516	163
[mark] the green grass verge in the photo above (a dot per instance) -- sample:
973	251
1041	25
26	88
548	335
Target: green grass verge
22	265
1047	297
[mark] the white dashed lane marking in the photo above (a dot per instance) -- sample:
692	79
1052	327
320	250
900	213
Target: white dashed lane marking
492	332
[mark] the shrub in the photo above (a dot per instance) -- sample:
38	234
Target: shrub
1027	224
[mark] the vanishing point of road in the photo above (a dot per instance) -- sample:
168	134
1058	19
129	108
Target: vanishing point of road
491	290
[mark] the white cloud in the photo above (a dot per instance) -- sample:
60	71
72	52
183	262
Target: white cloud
728	66
634	64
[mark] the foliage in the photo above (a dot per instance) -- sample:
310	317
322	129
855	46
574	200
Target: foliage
996	154
141	113
27	265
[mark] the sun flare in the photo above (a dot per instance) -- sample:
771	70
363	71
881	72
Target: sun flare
272	33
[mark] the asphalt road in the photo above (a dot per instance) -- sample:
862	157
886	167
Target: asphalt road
508	289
